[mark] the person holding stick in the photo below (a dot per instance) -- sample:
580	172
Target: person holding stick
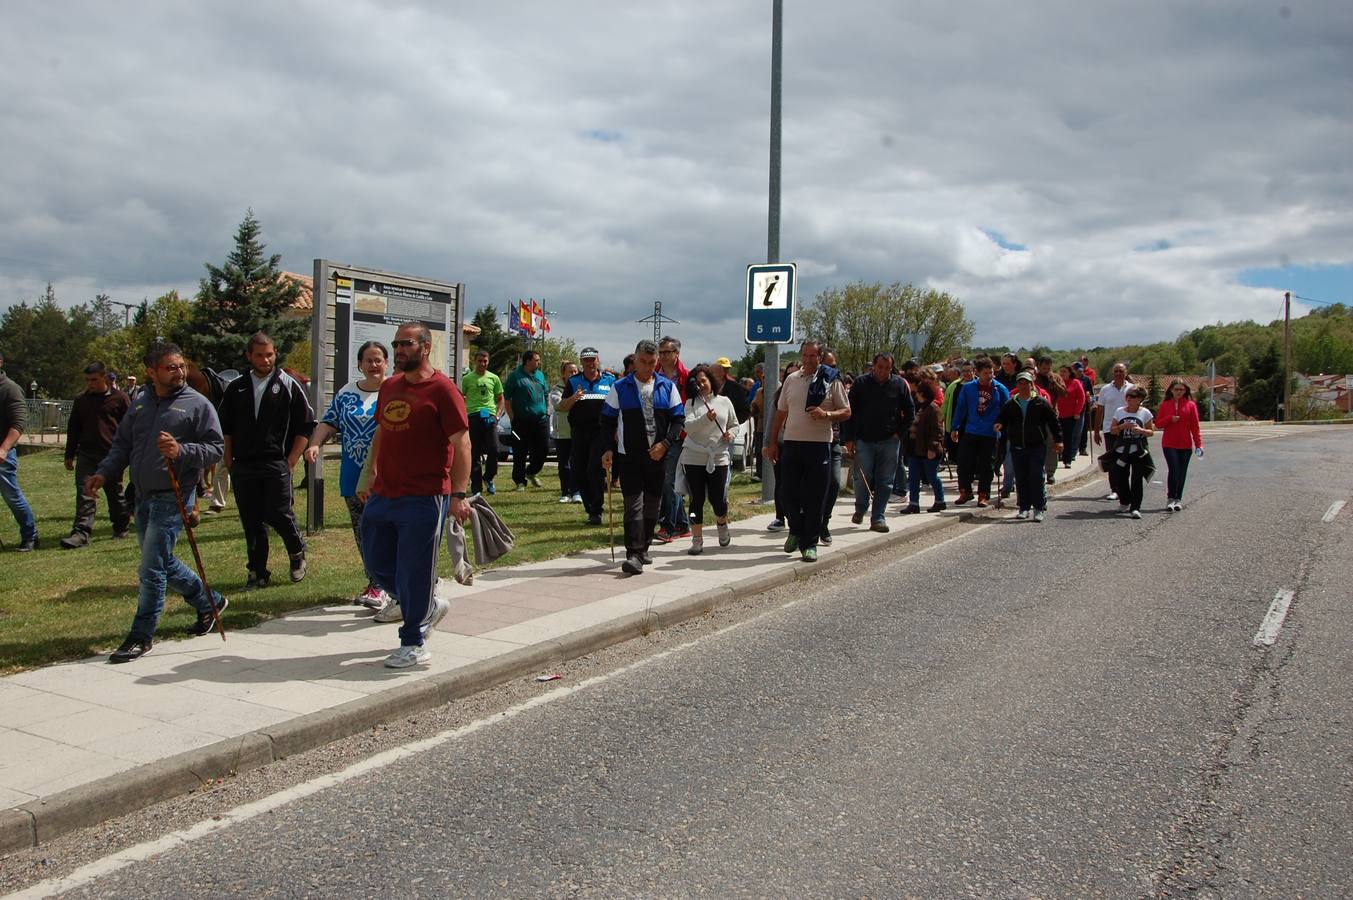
168	425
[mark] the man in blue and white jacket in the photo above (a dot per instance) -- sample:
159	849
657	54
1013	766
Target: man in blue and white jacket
641	420
978	404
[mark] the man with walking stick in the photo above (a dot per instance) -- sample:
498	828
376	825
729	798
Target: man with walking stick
171	424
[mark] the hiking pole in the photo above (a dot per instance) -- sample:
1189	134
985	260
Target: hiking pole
197	556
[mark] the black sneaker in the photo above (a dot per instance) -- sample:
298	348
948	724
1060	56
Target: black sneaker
938	507
28	546
74	541
131	649
825	537
632	565
594	519
297	567
257	581
645	558
206	622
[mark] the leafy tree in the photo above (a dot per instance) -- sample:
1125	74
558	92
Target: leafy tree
247	294
122	349
553	351
1153	394
745	365
46	344
861	320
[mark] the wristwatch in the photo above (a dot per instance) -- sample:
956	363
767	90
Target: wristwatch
459	495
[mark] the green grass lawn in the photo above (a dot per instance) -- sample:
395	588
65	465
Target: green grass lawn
60	604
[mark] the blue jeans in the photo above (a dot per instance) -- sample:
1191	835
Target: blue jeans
924	467
875	468
1071	436
1177	463
673	514
158	524
14	498
1008	471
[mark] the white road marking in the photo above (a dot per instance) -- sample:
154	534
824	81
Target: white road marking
129	856
1333	511
1267	634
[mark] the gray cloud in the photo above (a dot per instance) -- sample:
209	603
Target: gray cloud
462	143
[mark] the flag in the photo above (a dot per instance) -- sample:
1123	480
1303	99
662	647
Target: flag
524	318
537	317
513	320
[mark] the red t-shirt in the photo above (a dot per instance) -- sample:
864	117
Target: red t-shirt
416	421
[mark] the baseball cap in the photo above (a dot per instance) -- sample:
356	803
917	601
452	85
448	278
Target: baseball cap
588	353
724	362
1025	376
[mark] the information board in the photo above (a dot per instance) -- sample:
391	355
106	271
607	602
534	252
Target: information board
771	303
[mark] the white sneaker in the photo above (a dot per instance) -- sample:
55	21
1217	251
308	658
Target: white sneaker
405	657
575	498
390	612
440	608
565	498
372	598
1112	495
1135	514
1178	505
1038	515
1022	514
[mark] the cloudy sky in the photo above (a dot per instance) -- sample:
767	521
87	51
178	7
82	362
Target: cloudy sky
1076	173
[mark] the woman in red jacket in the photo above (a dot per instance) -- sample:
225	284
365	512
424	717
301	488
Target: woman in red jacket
1178	420
1070	406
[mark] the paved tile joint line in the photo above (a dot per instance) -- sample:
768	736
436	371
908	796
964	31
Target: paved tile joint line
80	732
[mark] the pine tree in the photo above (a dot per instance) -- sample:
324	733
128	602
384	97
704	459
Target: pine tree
504	349
245	295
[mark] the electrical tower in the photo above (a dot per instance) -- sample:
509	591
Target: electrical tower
658	320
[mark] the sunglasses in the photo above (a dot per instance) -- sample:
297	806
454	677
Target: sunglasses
404	342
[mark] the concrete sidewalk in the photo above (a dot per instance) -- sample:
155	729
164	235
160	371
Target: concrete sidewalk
84	742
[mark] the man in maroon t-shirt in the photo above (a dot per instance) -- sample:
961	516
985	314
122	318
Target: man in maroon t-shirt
419	459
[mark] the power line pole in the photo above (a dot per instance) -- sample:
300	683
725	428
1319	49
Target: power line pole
658	320
1287	355
770	382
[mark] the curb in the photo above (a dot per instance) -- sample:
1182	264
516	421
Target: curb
31	824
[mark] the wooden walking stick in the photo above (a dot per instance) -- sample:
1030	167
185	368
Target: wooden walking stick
610	509
197	556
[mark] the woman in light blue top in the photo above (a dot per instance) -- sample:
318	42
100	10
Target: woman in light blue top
352	414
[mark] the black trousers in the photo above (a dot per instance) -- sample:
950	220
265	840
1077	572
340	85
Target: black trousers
119	513
641	481
805	467
975	455
528	452
263	498
702	482
589	478
483	444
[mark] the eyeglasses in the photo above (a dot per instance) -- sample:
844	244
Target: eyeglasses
667	353
403	342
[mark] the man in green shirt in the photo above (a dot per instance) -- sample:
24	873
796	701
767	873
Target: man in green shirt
527	397
483	392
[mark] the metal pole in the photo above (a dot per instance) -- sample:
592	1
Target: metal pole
770	384
1287	355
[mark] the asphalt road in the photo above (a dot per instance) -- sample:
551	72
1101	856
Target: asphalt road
1075	708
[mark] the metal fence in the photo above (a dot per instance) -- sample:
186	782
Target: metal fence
47	416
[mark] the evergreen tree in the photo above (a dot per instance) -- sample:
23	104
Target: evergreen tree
1259	387
245	295
1153	395
45	344
504	349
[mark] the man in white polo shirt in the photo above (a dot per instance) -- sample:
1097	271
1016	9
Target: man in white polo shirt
810	401
1111	396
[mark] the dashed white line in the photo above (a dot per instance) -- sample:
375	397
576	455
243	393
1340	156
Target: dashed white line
1333	511
1267	634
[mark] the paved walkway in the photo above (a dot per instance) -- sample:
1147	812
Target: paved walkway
316	675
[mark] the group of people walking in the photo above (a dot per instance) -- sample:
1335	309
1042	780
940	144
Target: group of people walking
415	446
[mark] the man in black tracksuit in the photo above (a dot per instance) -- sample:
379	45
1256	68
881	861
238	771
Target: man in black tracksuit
266	420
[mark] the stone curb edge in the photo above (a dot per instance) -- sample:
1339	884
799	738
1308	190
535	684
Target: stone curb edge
31	824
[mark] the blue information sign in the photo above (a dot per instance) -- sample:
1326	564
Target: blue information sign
770	303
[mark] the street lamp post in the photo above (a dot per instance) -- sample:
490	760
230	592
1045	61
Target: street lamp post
770	380
33	389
